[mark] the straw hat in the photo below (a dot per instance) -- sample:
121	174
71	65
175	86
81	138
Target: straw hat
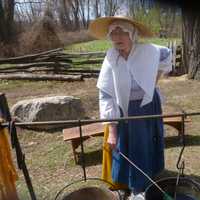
99	27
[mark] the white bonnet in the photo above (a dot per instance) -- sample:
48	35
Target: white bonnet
126	27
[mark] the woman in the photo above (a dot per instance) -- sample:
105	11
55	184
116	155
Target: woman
127	86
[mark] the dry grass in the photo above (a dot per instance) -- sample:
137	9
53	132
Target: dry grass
50	160
74	37
183	95
40	38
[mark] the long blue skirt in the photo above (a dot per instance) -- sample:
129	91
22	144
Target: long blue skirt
142	142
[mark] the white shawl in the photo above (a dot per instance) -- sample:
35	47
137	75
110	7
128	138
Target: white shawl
115	78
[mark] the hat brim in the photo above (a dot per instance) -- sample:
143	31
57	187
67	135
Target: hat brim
99	27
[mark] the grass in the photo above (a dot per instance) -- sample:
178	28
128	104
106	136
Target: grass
50	160
92	46
103	45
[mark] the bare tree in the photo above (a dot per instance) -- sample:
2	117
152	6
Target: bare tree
72	13
191	43
6	20
139	6
64	14
97	8
2	23
82	4
88	12
30	10
111	7
75	12
167	17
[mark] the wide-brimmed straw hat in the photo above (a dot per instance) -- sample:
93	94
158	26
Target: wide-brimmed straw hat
99	27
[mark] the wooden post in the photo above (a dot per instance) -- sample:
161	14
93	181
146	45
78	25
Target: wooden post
170	46
174	57
4	109
179	68
182	60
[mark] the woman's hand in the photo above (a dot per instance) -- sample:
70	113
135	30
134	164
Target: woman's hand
112	138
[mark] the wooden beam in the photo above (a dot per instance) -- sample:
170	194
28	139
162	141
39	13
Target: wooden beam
41	77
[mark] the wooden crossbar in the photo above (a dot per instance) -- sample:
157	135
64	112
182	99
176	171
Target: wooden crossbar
97	129
94	129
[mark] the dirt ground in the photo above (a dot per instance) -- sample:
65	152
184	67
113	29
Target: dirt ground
86	90
50	160
88	93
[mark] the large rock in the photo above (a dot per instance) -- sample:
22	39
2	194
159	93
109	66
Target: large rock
55	108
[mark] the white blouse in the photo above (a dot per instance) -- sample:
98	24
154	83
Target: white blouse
108	102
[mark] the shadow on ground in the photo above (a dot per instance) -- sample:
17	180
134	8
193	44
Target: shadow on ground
91	158
95	157
174	141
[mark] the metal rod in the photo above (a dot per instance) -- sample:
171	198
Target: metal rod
177	181
88	121
82	151
180	166
21	158
126	158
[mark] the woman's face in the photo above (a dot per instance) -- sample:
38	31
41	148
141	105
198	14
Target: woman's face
120	39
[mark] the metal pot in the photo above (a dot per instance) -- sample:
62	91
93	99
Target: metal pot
187	189
91	193
89	189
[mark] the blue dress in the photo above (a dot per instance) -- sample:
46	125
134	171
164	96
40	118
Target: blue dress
142	142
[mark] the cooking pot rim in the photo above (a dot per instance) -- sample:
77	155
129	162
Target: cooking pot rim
62	191
189	179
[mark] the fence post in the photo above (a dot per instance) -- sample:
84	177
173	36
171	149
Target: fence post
170	46
174	57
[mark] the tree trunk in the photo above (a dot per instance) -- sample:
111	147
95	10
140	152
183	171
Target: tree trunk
75	8
6	20
88	12
2	23
96	9
111	6
82	5
173	18
64	13
191	43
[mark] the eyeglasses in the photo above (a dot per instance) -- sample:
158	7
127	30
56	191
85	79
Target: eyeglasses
118	33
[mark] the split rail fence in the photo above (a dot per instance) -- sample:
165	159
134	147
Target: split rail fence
51	65
56	64
177	58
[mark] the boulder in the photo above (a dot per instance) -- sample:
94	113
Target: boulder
56	108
